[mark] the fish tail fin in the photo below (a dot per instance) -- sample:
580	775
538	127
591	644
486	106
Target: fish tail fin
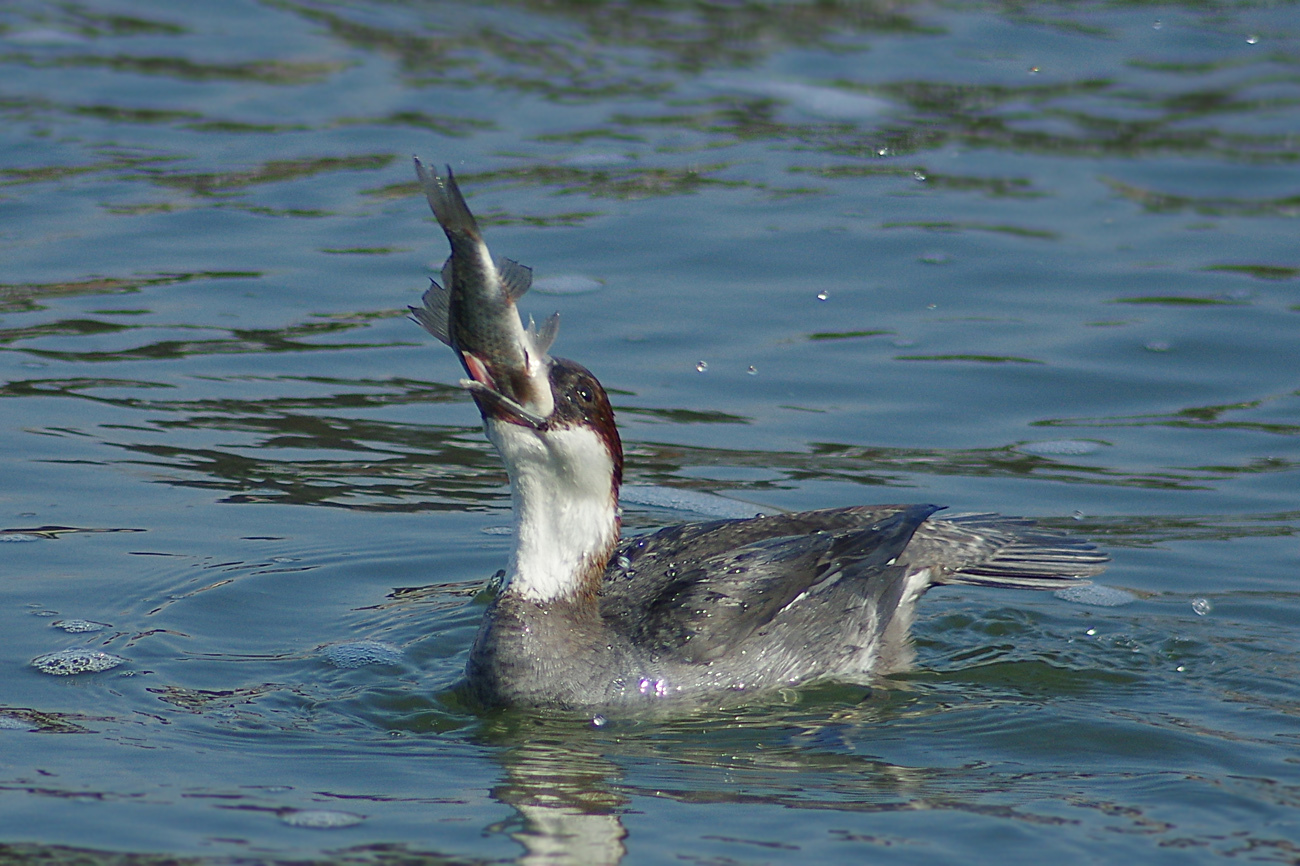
446	201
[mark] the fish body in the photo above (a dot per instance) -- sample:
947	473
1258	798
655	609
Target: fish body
474	309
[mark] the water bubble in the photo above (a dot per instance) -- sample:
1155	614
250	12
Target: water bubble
359	653
752	370
1201	606
919	175
1157	25
598	721
1095	595
821	296
1157	346
566	284
647	686
623	563
70	662
882	151
1059	447
701	366
78	626
1034	70
1252	39
321	819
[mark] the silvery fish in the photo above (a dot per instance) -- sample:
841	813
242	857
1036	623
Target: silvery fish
474	312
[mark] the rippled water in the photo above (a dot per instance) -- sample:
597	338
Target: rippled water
1034	258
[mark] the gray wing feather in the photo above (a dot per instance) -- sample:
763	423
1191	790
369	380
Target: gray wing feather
1010	552
715	603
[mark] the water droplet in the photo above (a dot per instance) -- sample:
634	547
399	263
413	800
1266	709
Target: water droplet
1252	39
1034	70
1201	606
359	653
882	151
321	819
1157	25
78	626
1091	632
701	366
70	662
821	296
623	563
919	175
598	721
752	371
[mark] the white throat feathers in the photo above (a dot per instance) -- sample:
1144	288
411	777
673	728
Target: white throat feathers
565	496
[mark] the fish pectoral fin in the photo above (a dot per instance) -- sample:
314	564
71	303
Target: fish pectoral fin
543	338
478	371
434	314
515	278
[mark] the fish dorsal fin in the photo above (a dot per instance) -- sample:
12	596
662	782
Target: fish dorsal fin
435	314
543	338
515	278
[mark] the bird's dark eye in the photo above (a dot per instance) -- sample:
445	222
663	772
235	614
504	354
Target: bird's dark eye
584	393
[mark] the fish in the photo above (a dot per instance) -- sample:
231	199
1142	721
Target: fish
474	311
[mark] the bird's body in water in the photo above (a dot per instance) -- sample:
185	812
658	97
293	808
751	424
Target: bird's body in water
694	613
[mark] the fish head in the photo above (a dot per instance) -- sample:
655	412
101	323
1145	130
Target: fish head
514	373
